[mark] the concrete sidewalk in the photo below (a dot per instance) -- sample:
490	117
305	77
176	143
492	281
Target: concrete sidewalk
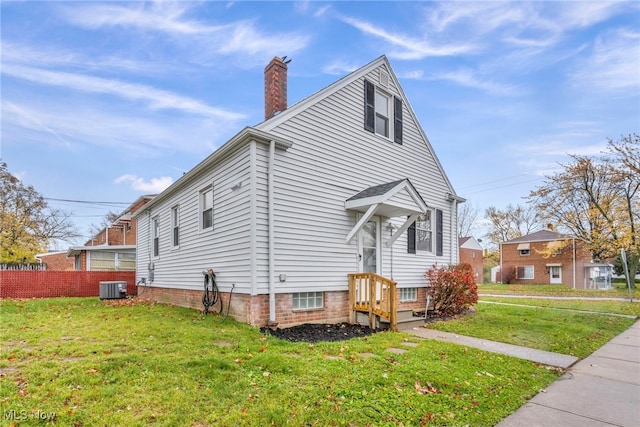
601	390
538	356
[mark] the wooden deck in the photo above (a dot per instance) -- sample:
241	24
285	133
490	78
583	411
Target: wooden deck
375	295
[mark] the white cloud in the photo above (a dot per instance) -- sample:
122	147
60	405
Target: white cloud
115	127
469	78
202	40
155	98
155	185
409	47
613	64
338	68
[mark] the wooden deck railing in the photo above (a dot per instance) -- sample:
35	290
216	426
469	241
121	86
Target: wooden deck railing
373	294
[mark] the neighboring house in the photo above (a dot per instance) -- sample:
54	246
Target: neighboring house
56	260
344	181
471	253
529	260
114	247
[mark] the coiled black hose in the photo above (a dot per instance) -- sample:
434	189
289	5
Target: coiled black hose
211	295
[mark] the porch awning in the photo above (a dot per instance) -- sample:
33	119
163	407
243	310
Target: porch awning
393	199
524	246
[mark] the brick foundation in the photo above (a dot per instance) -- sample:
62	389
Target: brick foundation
254	310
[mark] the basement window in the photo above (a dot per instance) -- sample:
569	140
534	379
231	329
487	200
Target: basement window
308	300
408	294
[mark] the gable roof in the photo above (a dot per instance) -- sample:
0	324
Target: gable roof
539	236
394	199
469	242
313	99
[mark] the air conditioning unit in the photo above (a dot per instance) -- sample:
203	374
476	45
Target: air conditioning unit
113	290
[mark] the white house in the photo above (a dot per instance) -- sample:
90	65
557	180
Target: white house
344	181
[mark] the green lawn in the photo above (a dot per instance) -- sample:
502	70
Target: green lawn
95	364
544	328
619	290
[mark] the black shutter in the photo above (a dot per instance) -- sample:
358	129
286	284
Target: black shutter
397	120
411	239
439	233
369	106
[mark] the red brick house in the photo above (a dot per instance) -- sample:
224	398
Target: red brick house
471	253
548	257
114	248
56	261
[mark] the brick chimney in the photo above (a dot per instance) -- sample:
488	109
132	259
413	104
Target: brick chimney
275	87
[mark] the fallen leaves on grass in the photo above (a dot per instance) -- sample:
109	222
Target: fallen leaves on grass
426	389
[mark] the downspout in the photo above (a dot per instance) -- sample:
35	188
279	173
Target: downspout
253	252
574	262
501	270
271	235
454	226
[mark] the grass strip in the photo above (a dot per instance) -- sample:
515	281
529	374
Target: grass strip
567	332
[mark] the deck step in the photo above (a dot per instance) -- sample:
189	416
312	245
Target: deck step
404	324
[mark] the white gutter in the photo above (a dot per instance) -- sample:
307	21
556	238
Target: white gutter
270	185
253	268
574	262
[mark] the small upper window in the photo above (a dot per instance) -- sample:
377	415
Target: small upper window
525	252
207	208
175	226
382	113
156	236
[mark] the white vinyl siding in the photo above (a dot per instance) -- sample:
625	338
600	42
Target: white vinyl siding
331	159
225	248
312	183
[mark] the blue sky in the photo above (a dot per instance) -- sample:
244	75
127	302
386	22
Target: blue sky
107	101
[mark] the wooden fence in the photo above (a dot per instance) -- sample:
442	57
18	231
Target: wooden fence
50	284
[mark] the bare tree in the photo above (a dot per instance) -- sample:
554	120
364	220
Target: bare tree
467	219
27	224
512	222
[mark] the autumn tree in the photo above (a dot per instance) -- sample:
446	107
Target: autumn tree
597	199
467	219
512	222
27	224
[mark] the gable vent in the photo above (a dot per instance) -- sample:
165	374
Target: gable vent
384	78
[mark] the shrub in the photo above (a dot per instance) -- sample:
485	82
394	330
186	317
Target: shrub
452	289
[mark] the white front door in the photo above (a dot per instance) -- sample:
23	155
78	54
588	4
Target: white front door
369	260
555	274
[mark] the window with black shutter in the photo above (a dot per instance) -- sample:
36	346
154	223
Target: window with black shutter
379	108
411	239
439	233
369	106
397	120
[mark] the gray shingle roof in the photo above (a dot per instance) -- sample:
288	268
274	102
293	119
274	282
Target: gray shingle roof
376	190
540	236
